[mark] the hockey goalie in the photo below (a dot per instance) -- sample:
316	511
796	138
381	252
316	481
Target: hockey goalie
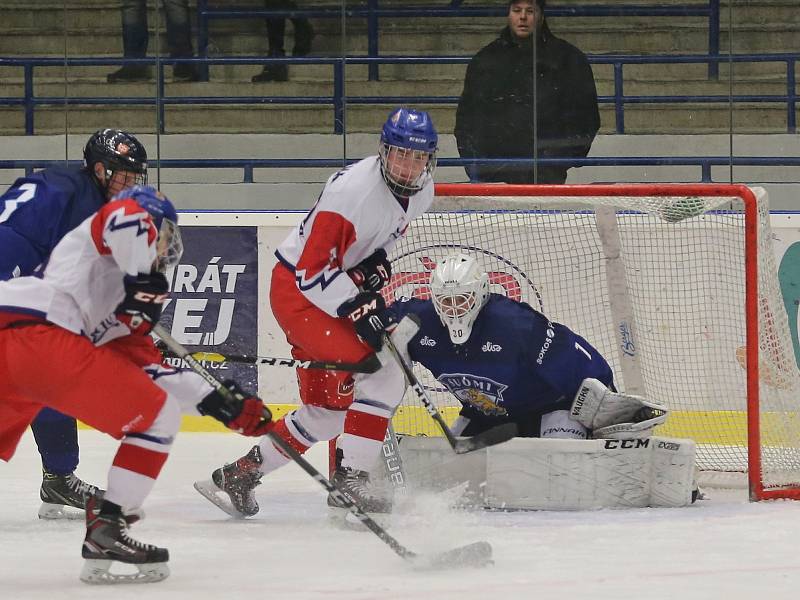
581	444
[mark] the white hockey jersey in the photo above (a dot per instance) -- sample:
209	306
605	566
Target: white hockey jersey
82	284
355	215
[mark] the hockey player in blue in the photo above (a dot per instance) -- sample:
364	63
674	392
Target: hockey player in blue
503	360
35	213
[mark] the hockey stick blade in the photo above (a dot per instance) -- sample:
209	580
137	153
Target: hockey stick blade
476	554
491	437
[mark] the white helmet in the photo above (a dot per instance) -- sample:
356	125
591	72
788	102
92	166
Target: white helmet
460	289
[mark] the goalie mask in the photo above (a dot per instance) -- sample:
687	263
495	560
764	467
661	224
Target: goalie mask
460	289
169	247
407	151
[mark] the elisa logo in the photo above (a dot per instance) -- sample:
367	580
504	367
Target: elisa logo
490	347
426	341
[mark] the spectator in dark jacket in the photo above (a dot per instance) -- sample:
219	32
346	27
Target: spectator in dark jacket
497	116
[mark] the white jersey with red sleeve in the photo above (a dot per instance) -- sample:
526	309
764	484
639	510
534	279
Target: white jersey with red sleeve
83	282
355	215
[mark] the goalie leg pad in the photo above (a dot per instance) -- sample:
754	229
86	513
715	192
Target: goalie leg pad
557	474
553	474
614	415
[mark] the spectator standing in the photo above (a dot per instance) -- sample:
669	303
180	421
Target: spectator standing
276	31
504	112
135	37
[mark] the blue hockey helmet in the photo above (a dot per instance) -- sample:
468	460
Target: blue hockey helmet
407	150
165	219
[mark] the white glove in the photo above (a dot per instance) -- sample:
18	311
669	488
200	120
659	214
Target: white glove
612	415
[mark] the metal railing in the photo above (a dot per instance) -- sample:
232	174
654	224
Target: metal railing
338	100
248	165
372	13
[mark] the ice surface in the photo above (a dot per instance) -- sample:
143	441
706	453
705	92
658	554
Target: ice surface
722	548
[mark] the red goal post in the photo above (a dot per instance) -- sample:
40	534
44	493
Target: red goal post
682	277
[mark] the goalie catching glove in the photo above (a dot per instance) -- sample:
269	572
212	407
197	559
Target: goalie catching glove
238	411
612	415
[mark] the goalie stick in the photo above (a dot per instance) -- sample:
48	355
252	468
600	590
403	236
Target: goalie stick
368	365
491	437
475	554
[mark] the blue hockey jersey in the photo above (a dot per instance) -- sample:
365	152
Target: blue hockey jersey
515	362
37	211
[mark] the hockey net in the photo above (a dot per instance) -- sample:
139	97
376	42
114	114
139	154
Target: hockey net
675	284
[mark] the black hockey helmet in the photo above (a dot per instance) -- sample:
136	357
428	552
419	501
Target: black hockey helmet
118	151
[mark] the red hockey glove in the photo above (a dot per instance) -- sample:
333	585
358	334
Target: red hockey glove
372	273
144	300
241	412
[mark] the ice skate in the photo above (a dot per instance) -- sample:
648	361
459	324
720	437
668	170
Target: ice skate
231	487
355	485
64	496
107	542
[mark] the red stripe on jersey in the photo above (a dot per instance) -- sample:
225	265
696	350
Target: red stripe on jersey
140	460
365	425
283	432
331	235
129	207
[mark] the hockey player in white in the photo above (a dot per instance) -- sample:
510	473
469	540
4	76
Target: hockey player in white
76	340
325	296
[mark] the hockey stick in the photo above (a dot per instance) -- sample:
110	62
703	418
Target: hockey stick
393	461
474	554
368	365
491	437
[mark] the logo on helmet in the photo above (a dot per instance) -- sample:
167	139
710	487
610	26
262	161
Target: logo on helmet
123	148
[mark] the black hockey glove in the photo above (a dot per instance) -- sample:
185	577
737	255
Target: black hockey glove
144	300
366	312
243	413
372	273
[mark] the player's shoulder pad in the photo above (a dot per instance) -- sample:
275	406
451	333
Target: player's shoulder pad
119	216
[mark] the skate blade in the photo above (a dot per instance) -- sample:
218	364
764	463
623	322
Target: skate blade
97	572
209	490
477	554
50	511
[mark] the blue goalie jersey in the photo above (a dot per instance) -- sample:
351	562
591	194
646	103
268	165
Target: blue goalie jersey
37	211
515	363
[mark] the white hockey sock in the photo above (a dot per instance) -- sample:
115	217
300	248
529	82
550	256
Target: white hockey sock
364	429
140	458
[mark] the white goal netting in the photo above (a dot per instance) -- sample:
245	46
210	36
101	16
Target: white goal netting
657	284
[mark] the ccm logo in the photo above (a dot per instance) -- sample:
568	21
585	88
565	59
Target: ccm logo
363	310
150	298
617	444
